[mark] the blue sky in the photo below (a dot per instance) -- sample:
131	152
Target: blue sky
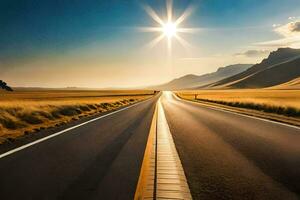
56	37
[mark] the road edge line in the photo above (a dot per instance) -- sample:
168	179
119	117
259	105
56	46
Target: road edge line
67	129
236	113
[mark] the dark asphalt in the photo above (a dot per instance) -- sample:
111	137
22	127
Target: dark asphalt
100	160
228	156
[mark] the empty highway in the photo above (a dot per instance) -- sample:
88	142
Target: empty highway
224	156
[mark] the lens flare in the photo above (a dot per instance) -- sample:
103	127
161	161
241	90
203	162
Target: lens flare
169	28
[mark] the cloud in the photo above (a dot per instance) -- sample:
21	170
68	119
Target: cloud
276	25
289	29
290	33
254	53
295	27
284	42
292	18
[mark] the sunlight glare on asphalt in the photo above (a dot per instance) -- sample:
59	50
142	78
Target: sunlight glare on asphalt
168	95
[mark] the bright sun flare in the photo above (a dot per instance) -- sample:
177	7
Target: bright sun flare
170	28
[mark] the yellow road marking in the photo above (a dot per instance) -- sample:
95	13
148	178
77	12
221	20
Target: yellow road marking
145	186
162	175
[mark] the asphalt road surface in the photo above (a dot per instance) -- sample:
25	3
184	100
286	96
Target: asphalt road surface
224	156
229	156
100	160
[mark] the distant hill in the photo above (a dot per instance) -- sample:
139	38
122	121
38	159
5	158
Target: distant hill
192	81
281	66
47	88
290	85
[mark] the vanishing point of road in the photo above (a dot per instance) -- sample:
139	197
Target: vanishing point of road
223	155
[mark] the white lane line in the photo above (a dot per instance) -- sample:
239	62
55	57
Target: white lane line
66	130
171	181
232	112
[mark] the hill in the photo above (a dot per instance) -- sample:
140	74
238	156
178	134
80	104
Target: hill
192	81
290	85
281	66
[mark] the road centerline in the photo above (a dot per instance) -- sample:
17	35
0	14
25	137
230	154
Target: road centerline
171	180
162	175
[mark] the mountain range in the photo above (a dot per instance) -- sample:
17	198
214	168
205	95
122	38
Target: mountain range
194	81
280	68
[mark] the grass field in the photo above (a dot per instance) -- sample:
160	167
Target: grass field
283	102
26	112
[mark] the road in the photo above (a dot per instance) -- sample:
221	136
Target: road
100	160
224	156
229	156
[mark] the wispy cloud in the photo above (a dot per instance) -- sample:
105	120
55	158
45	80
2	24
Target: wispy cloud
276	25
290	33
292	18
253	53
284	42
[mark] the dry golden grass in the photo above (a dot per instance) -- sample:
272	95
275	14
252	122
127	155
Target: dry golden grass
286	102
24	112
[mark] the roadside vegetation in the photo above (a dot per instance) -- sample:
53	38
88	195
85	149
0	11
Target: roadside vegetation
282	102
27	112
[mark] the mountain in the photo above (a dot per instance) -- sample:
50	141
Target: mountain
290	85
192	81
281	66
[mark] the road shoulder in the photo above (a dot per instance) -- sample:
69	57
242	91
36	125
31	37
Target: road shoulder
39	135
290	121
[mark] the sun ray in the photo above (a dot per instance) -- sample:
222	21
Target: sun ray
169	27
169	10
169	48
153	14
150	29
188	30
155	41
183	42
184	15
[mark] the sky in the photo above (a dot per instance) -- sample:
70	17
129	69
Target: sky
102	44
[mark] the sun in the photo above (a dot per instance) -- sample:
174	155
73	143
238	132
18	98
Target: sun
169	29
